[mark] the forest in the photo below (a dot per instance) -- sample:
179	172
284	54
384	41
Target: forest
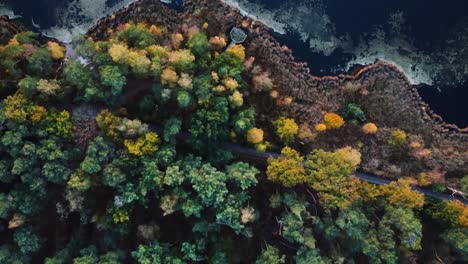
114	151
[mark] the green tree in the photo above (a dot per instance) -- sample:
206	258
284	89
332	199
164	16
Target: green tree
113	174
408	226
112	76
97	153
307	256
243	174
379	246
464	184
5	206
171	128
77	75
27	37
353	113
27	240
208	125
270	255
40	62
184	99
155	253
9	255
228	64
9	68
209	183
458	239
27	86
136	36
354	223
199	45
244	120
182	60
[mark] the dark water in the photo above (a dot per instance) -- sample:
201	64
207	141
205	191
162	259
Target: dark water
428	22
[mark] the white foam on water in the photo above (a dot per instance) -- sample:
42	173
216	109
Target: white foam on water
401	52
5	11
77	16
259	13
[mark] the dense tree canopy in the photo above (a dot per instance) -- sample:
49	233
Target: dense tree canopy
122	155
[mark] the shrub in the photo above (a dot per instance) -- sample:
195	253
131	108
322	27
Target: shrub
333	120
305	133
397	137
262	82
286	129
464	184
354	113
218	42
369	128
320	127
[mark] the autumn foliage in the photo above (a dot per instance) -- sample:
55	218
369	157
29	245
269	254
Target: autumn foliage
369	128
287	169
255	135
333	120
286	129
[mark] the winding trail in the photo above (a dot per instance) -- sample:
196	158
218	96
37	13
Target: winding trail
262	157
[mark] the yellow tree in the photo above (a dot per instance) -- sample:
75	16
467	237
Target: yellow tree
397	137
329	175
237	51
144	145
462	212
255	135
287	169
57	52
399	193
286	129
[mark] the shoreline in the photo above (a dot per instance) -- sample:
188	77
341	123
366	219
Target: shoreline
392	101
436	119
